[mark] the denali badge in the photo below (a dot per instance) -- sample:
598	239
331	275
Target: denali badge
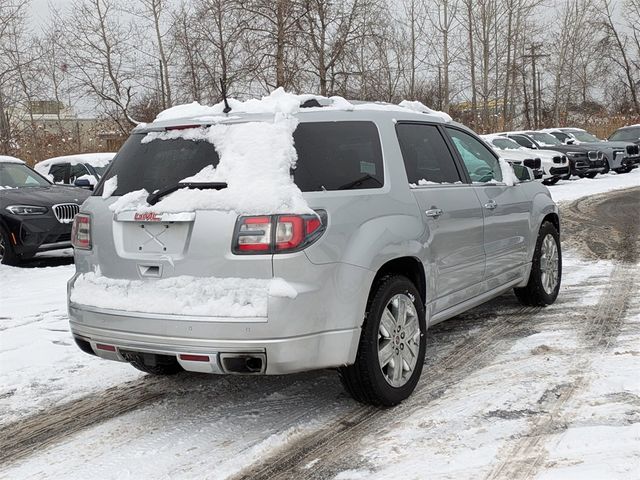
147	217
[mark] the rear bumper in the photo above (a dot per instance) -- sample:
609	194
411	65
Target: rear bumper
319	328
174	337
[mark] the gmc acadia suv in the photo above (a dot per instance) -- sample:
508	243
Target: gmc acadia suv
411	219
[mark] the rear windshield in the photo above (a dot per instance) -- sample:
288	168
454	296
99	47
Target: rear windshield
331	156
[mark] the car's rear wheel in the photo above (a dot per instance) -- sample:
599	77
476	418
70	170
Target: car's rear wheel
7	254
392	345
546	269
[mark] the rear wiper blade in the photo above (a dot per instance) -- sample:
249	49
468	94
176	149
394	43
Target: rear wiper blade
153	198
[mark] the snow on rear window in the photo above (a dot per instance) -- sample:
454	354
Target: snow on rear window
255	161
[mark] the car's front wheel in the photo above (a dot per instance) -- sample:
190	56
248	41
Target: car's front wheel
392	345
546	269
7	255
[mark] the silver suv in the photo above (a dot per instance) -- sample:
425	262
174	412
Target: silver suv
411	220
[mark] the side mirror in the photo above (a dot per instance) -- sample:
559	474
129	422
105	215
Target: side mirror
83	183
569	141
523	174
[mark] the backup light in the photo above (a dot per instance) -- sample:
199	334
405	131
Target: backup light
81	232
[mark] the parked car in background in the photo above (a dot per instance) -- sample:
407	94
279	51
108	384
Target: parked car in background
82	170
630	133
402	220
554	166
583	161
35	215
621	157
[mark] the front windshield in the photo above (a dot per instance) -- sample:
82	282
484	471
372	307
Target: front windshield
626	135
505	144
584	136
17	175
544	138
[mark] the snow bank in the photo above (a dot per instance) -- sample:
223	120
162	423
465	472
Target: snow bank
183	295
256	159
570	190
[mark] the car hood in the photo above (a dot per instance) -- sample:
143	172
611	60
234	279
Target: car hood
42	196
543	154
569	148
607	144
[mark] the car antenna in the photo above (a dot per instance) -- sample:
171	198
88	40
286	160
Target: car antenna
223	89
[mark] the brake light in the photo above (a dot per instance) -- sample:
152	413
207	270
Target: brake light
81	231
277	233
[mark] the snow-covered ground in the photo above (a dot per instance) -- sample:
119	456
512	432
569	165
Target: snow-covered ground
40	364
548	395
569	190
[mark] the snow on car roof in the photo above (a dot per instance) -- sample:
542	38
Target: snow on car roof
93	159
282	102
9	159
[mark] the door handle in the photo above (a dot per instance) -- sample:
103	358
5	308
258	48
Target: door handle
490	205
434	212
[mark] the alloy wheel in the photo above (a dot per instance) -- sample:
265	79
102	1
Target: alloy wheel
549	264
398	340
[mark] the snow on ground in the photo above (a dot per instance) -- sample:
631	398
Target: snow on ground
40	365
570	190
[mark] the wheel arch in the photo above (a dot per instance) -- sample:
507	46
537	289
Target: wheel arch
410	267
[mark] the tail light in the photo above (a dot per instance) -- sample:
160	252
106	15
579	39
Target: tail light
81	231
277	233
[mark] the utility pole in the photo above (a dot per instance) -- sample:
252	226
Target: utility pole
534	55
164	98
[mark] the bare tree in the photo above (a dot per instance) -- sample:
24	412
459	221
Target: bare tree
97	42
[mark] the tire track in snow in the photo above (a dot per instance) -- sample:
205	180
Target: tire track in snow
31	434
330	449
601	325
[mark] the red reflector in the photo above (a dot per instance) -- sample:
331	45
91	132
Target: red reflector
108	348
312	224
194	358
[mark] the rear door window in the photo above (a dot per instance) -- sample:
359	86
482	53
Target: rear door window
426	155
338	156
60	172
480	163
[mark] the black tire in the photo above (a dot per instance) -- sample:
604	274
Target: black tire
622	170
551	181
607	167
591	174
8	255
534	294
153	364
365	380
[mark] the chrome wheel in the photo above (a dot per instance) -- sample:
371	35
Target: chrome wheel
398	340
549	262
